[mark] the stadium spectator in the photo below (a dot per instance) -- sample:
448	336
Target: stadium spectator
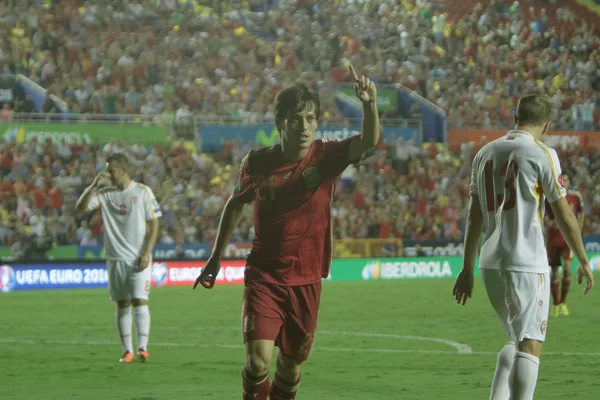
159	62
6	113
169	63
49	106
25	106
392	248
83	231
19	247
89	240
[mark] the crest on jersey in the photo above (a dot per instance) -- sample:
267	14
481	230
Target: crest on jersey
311	177
249	323
560	180
544	326
134	200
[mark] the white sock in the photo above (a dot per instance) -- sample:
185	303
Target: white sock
500	385
124	327
523	377
142	325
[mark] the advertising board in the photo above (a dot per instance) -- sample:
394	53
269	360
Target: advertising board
18	277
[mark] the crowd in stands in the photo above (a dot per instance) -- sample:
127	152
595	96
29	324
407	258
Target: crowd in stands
399	190
169	59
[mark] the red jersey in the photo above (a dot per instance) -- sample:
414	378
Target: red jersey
553	235
292	211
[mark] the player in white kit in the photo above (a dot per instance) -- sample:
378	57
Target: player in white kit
510	178
130	213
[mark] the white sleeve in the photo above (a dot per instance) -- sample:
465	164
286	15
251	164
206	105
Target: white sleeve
474	171
95	201
550	174
151	206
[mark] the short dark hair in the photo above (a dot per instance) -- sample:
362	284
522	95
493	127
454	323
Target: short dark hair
534	109
119	160
294	98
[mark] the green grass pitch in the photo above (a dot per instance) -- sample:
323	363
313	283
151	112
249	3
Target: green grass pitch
371	344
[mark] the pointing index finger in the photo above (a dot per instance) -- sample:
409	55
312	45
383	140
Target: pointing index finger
354	74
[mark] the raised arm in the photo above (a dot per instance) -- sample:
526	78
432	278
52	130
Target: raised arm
367	94
83	204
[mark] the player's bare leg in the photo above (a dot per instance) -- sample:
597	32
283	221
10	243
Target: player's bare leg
142	326
504	364
523	377
255	376
555	289
566	284
124	328
287	378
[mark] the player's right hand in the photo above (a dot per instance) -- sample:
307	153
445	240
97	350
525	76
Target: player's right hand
102	176
585	270
209	273
463	288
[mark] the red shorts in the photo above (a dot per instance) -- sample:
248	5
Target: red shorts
285	314
555	253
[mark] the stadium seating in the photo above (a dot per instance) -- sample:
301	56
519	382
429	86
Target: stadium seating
169	53
231	61
427	202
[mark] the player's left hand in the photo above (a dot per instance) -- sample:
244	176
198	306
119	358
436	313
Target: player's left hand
364	88
463	287
144	261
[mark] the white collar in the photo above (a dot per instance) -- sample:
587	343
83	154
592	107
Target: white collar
519	131
129	186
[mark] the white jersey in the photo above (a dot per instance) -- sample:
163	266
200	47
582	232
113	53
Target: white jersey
511	176
125	213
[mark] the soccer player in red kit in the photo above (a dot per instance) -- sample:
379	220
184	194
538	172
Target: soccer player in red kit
291	186
558	248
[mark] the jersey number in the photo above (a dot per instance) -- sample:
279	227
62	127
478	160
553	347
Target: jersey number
493	200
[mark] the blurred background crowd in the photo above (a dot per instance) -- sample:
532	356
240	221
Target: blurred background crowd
171	60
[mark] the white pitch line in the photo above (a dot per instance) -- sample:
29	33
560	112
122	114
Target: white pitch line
461	348
170	328
238	346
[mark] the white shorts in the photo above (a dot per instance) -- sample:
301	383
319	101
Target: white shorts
521	301
126	281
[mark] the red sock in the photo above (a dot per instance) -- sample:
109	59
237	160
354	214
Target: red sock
566	284
255	388
282	390
556	292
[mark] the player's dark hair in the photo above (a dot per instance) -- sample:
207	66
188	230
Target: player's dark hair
295	98
119	160
534	110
